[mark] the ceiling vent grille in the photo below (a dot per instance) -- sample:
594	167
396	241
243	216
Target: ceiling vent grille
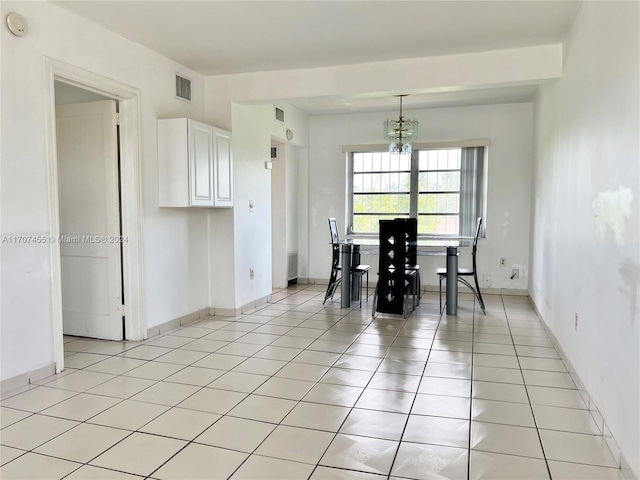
279	114
183	88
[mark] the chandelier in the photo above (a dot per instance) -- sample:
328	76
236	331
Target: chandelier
400	133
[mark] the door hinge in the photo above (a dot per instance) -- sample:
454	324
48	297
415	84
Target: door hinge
117	118
122	311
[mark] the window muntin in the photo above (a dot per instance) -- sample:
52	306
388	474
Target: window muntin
442	187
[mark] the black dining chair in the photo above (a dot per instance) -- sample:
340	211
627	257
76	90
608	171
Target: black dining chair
356	270
467	272
396	284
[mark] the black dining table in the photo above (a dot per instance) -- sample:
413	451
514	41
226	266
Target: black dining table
353	247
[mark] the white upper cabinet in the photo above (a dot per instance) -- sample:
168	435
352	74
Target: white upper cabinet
195	166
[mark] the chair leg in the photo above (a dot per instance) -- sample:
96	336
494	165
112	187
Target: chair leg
476	291
334	281
367	285
375	299
479	295
411	291
328	292
440	276
405	309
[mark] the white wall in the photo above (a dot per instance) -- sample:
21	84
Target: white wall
241	240
175	241
585	252
252	230
508	127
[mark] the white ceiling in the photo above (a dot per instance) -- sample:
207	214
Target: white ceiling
225	37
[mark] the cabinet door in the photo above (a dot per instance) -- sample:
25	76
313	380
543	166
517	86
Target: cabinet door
223	177
201	164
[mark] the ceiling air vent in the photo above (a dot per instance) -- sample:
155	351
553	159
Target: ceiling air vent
183	88
279	114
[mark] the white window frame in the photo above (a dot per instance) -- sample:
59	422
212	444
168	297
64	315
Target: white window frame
473	199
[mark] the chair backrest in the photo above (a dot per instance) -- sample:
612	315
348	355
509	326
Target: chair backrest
333	229
475	238
475	243
391	267
410	227
335	255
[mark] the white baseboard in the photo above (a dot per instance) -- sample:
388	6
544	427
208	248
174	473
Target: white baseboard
27	377
234	312
598	418
247	308
205	312
177	322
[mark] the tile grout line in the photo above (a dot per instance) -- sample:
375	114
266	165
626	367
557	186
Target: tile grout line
297	401
341	322
184	367
371	321
473	343
415	397
526	389
193	441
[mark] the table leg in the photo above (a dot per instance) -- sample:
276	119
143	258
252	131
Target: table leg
345	284
452	281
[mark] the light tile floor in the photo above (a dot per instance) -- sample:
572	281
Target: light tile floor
295	389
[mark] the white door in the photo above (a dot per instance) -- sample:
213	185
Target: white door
89	219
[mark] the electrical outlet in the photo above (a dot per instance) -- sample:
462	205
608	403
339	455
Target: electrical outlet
576	322
486	280
503	262
515	273
251	208
251	273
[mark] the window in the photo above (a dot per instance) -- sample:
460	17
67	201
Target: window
442	187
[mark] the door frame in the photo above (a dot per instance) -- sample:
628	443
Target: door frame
128	99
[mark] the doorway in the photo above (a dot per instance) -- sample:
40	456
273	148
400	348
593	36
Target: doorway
278	216
88	170
127	100
284	213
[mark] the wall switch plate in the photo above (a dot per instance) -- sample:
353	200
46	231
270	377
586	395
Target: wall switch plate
251	205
